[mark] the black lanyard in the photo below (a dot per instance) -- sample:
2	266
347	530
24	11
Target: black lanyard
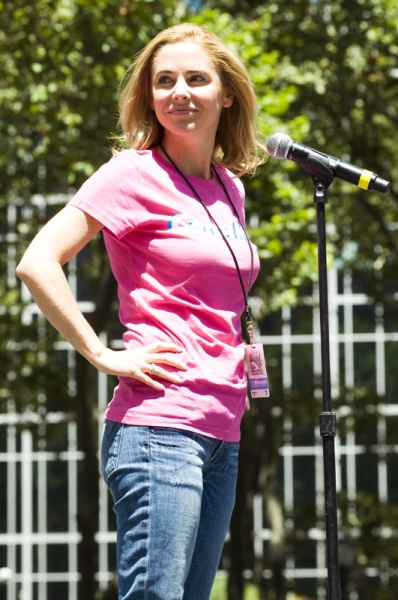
244	291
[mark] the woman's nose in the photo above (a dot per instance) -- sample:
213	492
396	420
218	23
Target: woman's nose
181	89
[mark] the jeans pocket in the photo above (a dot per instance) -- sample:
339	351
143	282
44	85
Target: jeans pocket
173	438
110	448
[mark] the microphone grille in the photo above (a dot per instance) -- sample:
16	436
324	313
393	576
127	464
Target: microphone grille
278	145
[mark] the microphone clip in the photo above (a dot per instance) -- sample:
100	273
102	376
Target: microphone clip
318	167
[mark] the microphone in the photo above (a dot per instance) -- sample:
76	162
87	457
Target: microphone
280	146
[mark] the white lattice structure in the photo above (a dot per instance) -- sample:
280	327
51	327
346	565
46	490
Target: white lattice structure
347	450
27	544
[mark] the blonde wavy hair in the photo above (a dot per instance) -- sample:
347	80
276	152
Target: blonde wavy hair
237	145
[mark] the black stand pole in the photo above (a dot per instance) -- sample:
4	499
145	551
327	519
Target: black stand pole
322	176
327	419
319	167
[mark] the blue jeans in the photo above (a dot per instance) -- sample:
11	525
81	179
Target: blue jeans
173	493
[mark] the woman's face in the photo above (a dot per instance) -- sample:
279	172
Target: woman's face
187	93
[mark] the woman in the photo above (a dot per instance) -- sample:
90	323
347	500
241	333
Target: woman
172	217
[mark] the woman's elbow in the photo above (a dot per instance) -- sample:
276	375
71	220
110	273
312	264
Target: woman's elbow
30	266
23	268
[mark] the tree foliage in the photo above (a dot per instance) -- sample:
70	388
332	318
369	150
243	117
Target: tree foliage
325	72
61	63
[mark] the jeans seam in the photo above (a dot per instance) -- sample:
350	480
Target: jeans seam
216	456
148	437
117	457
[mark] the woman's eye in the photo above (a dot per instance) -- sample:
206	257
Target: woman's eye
164	79
167	80
197	78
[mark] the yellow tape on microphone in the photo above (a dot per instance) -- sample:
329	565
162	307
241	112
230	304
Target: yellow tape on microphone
365	179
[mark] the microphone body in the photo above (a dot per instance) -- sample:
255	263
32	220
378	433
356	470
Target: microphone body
282	146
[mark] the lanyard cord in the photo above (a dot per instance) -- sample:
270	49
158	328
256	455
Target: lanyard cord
244	291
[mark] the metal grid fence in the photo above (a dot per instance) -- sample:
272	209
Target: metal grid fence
39	559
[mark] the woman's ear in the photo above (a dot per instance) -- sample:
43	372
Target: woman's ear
228	101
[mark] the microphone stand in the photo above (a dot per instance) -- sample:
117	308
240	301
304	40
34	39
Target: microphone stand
322	177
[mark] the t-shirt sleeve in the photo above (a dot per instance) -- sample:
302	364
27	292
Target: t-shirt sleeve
113	195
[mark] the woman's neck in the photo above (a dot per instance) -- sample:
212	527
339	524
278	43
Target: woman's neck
189	158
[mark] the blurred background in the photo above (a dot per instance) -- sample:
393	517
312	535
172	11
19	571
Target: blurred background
326	73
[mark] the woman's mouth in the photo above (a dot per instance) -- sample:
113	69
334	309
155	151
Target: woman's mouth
182	111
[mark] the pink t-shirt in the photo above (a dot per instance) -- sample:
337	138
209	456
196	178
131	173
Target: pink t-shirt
177	282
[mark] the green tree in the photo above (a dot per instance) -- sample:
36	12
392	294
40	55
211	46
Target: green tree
61	63
325	72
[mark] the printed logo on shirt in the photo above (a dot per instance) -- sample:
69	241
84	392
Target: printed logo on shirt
232	231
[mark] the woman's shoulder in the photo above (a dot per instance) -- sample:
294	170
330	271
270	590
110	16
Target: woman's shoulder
230	178
129	163
139	157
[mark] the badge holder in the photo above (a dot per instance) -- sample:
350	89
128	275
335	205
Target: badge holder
256	369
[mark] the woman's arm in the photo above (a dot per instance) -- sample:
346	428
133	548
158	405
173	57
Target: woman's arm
41	271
